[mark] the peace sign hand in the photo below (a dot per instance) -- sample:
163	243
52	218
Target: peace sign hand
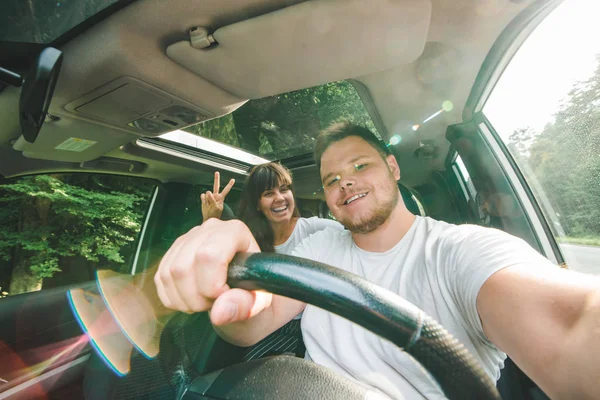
212	202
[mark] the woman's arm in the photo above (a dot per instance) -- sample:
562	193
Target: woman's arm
213	202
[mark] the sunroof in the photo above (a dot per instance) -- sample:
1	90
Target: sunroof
286	125
42	21
198	142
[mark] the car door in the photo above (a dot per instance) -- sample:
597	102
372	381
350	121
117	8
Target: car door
55	231
538	113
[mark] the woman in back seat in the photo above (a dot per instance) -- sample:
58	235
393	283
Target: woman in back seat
268	207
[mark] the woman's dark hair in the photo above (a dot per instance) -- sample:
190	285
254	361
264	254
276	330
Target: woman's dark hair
261	178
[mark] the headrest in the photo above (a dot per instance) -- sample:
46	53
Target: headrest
408	199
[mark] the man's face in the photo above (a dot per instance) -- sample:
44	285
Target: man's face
360	187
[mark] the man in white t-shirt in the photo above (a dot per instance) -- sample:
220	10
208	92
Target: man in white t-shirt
489	289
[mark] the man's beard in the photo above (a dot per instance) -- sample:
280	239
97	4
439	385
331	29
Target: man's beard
375	217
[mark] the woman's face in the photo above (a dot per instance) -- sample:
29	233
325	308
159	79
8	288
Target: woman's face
277	204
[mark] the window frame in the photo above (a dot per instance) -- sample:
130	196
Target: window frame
494	65
466	202
468	187
461	181
142	234
502	52
537	220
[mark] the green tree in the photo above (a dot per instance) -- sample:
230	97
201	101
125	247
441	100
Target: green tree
520	141
285	125
42	21
564	159
47	219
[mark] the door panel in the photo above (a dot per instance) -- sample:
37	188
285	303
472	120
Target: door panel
39	333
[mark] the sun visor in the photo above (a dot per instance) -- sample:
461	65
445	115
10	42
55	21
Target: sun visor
309	44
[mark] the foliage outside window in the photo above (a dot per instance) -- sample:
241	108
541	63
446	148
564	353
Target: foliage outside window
42	21
58	229
286	125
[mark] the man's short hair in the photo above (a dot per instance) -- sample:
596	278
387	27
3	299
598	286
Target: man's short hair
341	130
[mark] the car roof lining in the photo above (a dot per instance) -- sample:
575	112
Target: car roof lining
133	42
309	44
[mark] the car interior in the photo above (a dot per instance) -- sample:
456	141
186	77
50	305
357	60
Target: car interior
138	81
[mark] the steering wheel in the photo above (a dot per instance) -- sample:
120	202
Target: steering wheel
374	308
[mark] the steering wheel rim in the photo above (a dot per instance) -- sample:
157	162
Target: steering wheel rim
376	309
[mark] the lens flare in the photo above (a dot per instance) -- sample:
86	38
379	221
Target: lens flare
447	106
132	311
100	328
124	313
394	140
433	116
31	362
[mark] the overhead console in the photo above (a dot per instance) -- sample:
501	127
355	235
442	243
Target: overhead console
309	44
126	104
132	105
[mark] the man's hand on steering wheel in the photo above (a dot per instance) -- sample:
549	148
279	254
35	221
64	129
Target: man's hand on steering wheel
212	202
192	275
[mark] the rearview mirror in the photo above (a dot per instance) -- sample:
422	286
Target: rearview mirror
37	91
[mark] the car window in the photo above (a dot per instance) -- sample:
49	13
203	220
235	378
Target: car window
419	206
285	125
464	178
475	200
546	109
40	21
57	229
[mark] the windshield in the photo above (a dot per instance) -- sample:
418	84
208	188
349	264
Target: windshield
285	125
41	21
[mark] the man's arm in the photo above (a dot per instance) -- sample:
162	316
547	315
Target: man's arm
548	321
249	332
192	277
281	310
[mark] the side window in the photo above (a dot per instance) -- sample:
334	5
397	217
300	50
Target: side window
419	206
464	178
477	203
546	109
57	229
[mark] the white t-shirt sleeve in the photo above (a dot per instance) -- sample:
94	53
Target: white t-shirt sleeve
305	227
308	246
316	224
472	254
317	246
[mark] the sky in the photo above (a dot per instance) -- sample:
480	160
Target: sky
559	52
